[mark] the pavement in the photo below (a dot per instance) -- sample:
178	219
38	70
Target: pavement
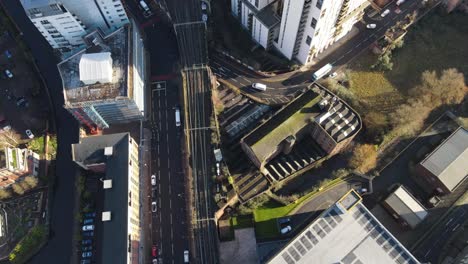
282	88
59	247
241	250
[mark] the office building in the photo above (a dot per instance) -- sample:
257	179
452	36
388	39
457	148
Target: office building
104	83
298	29
446	167
347	233
112	162
63	23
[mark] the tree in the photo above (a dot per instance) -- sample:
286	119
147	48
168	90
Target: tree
410	117
5	193
364	158
449	88
17	188
376	125
24	185
31	181
384	62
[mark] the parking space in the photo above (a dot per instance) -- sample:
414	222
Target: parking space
23	103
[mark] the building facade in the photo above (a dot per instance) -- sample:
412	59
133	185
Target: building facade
104	83
405	208
305	27
16	163
63	23
113	159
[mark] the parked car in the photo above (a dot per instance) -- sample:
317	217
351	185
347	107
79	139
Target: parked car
385	13
286	230
91	214
86	242
155	261
154	251
88	221
333	75
284	220
29	134
87	254
154	207
88	248
88	227
218	170
371	26
204	17
153	180
203	6
7	128
8	73
88	234
8	54
85	261
22	102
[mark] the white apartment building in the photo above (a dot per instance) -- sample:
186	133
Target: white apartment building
306	27
64	22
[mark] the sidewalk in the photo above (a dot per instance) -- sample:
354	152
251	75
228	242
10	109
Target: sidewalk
145	215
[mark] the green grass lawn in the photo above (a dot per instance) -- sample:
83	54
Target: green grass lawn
241	221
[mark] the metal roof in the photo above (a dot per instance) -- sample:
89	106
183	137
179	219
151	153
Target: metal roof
96	67
406	206
449	161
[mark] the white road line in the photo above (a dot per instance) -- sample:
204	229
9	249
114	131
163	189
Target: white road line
243	78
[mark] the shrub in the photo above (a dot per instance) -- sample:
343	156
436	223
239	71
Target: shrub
5	193
31	181
17	188
28	246
364	158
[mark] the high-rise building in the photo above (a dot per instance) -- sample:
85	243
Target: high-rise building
104	83
63	23
112	166
306	27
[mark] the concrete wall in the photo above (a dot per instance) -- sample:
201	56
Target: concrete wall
260	33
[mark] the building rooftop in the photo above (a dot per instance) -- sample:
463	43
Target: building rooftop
315	105
113	242
42	8
406	206
449	160
72	72
356	235
268	16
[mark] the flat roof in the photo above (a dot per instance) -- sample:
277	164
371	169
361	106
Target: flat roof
116	43
42	8
449	160
344	236
406	206
268	17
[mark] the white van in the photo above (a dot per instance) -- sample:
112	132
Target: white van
186	256
146	10
259	86
177	116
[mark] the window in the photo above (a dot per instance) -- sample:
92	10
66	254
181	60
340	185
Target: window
121	15
313	23
323	13
107	12
319	4
308	40
117	5
256	3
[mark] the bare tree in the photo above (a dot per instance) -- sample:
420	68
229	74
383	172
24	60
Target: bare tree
364	158
17	188
5	193
31	181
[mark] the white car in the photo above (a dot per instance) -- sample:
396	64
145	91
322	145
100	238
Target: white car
385	13
153	207
204	17
29	134
286	229
203	6
333	75
88	227
153	180
9	74
371	26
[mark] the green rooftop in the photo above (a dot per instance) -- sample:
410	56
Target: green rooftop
288	121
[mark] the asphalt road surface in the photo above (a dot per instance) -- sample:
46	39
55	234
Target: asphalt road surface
59	247
431	250
283	88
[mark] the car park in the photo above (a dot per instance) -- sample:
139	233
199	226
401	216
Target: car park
88	221
86	242
91	214
154	207
153	180
87	254
88	234
29	133
88	227
8	74
154	251
88	248
385	13
371	26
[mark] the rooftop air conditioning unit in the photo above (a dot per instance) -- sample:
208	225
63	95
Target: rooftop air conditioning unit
106	216
108	151
107	184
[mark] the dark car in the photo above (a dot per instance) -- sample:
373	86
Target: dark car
89	215
87	254
85	261
88	233
154	251
87	242
88	248
8	54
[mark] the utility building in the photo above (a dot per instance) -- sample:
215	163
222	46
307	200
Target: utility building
299	29
104	83
405	208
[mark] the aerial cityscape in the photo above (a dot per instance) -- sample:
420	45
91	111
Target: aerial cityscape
234	131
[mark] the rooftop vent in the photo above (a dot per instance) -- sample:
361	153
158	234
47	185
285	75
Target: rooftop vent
108	151
106	216
107	184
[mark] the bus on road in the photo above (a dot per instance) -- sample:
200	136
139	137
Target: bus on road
321	72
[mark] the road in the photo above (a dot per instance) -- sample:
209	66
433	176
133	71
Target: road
169	224
430	250
283	88
59	247
191	39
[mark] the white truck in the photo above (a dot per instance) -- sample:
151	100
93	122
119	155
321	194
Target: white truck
321	72
146	10
177	116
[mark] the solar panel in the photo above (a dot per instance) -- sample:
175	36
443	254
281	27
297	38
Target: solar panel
306	242
287	258
300	248
312	237
294	253
348	259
